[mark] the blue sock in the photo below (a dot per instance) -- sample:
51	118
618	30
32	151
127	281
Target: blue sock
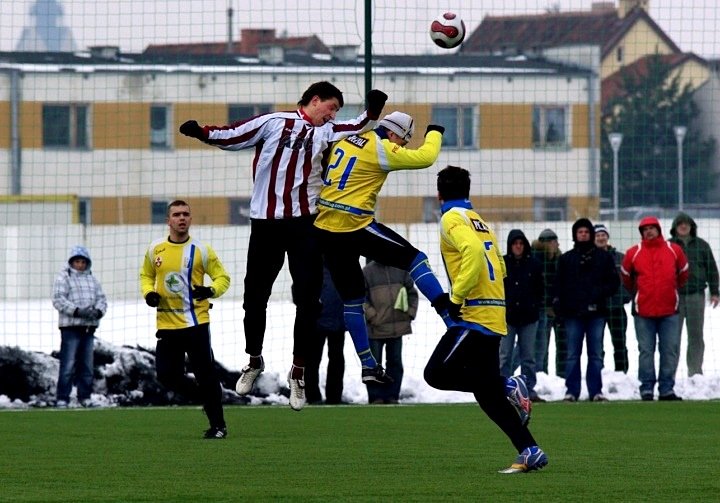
355	323
424	278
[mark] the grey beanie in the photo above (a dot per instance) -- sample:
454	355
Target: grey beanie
547	235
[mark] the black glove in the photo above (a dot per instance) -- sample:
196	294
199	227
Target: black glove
443	304
375	102
152	299
85	312
193	130
454	311
435	127
202	292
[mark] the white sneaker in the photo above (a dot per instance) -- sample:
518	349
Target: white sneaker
61	404
297	392
248	375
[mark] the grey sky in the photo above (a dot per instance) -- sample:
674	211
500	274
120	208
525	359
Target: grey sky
400	25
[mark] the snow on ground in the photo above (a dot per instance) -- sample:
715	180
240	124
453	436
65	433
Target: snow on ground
32	325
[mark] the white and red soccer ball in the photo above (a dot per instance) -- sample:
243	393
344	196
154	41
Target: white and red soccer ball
447	30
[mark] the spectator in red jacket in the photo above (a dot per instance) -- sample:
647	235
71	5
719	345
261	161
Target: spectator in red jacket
653	271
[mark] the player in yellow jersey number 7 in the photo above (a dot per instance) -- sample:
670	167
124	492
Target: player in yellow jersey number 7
347	229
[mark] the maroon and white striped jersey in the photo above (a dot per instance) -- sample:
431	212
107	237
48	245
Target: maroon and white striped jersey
287	168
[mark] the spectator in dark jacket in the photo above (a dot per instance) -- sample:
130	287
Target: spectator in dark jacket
547	251
524	290
330	327
654	271
703	274
391	303
586	277
617	319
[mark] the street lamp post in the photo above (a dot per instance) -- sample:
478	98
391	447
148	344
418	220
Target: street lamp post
615	142
680	132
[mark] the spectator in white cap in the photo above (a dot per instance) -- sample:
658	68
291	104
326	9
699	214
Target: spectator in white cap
357	169
616	319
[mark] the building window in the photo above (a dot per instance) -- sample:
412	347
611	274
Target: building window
238	112
550	209
84	211
239	211
158	212
459	125
431	210
159	126
549	126
619	54
349	112
65	126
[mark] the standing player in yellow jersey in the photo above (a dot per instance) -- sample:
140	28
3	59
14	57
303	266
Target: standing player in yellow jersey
466	358
357	169
171	279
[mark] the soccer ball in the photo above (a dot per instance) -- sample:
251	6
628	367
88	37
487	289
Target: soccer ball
447	30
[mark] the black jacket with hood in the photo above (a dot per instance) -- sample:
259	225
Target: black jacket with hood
524	284
586	277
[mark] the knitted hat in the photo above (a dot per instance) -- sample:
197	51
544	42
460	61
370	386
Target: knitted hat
399	123
547	235
601	228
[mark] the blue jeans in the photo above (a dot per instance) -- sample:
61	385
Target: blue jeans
668	339
76	362
393	367
577	330
526	345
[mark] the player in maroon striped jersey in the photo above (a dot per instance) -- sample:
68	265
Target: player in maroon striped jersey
287	169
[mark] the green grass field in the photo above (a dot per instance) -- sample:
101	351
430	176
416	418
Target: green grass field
621	451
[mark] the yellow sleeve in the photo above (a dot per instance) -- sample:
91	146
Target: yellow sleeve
404	158
219	276
468	265
147	275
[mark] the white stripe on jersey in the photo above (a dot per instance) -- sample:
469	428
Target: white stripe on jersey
287	168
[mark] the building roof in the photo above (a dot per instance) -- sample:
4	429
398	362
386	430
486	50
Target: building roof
532	33
250	41
106	60
612	85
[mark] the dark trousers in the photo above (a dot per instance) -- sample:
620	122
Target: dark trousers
393	367
617	322
270	241
376	242
335	369
172	345
466	360
546	324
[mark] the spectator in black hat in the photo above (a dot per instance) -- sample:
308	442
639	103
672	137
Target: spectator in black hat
616	320
586	277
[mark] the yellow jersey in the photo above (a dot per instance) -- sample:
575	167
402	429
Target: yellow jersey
172	269
475	266
357	169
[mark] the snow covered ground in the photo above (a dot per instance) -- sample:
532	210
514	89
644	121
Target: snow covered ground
32	325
